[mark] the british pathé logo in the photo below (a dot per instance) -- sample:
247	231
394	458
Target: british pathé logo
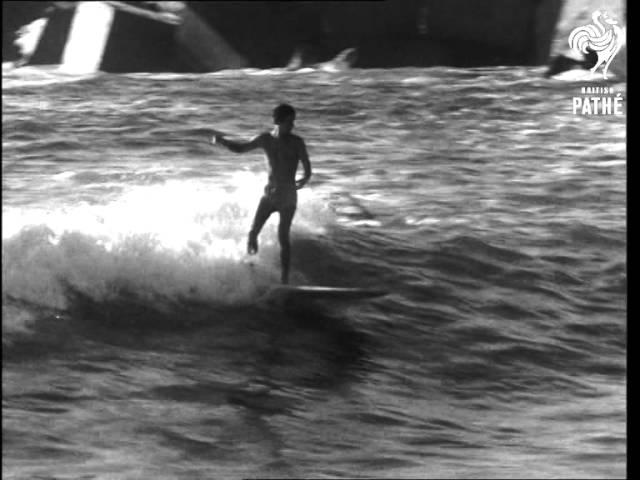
598	101
604	37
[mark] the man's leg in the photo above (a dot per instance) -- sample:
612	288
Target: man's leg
263	212
286	217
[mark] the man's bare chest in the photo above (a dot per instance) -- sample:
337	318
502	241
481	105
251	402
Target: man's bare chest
282	149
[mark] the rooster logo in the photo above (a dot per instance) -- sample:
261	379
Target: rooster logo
605	41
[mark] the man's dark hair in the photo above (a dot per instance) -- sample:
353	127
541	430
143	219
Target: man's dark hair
282	112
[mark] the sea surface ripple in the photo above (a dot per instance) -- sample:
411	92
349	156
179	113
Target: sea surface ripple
133	342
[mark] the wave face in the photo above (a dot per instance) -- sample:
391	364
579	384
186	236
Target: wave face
134	338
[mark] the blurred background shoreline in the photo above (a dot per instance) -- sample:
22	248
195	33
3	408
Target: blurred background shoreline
203	37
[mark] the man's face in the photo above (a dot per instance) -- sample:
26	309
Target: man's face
286	125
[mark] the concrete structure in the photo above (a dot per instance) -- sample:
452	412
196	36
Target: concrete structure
207	36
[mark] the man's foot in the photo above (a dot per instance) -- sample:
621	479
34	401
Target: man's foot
252	245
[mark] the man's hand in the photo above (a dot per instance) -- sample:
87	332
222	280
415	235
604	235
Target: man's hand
217	138
301	183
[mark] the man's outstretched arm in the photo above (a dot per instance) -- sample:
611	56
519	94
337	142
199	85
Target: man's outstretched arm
306	164
237	147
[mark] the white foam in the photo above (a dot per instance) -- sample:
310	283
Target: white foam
422	221
62	176
182	238
15	320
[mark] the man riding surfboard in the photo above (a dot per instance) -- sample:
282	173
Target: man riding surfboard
283	151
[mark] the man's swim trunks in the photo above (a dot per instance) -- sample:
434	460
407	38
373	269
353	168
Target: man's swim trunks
281	197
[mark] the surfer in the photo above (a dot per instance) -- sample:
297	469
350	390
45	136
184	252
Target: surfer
283	151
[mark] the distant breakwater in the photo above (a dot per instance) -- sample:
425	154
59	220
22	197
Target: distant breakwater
210	36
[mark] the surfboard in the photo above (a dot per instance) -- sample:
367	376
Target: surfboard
301	293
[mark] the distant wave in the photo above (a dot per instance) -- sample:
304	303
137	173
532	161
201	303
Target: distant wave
38	76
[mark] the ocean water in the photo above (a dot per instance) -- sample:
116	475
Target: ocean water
134	341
